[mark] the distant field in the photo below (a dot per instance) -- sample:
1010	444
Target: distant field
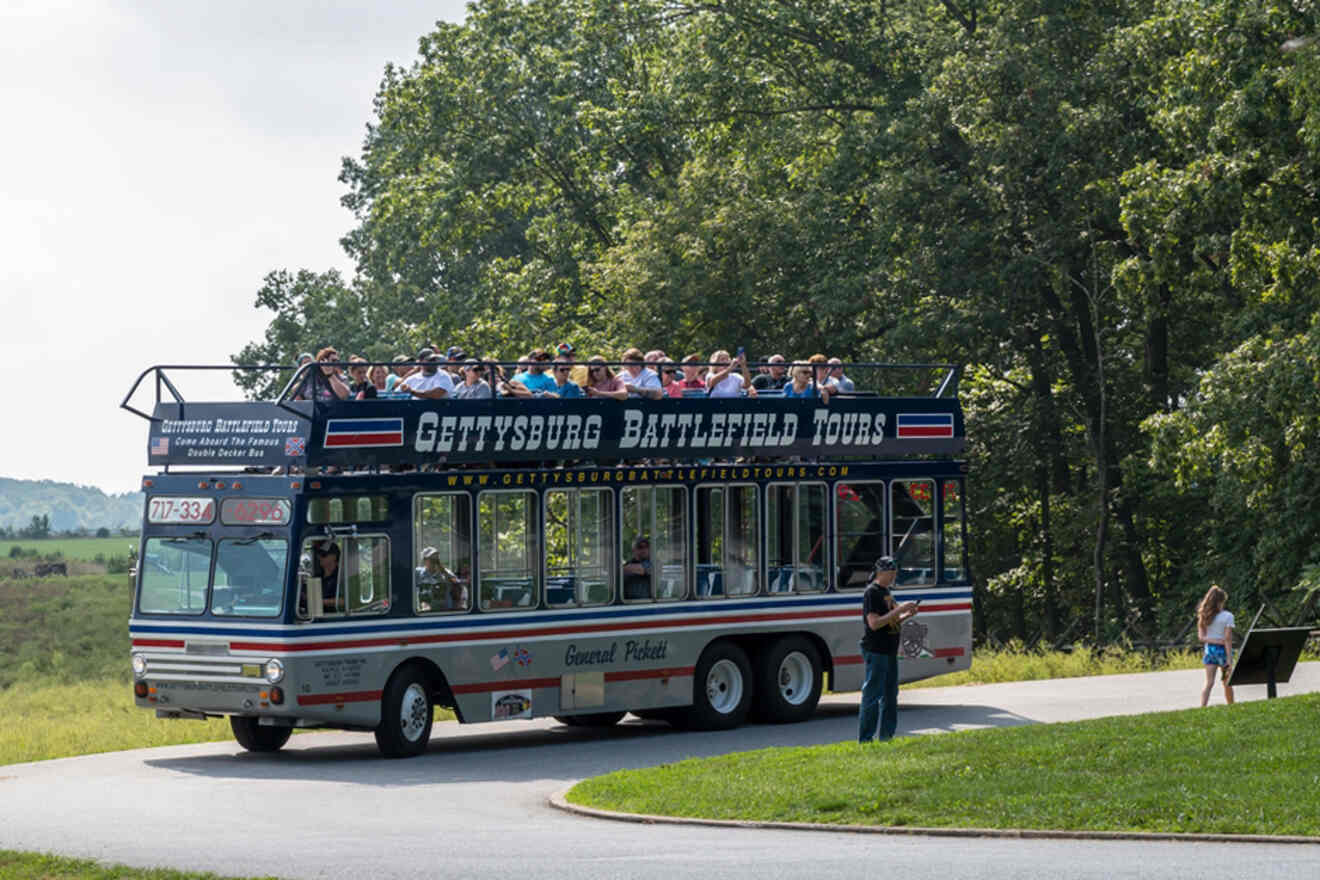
73	548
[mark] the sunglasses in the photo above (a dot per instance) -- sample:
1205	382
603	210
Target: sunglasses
563	369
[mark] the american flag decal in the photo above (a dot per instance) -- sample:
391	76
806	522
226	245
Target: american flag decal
363	433
160	445
924	426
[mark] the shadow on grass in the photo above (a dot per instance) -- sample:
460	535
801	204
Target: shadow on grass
516	752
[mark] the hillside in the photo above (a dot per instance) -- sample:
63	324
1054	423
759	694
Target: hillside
68	506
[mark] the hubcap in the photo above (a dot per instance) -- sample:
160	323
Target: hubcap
724	686
414	712
795	678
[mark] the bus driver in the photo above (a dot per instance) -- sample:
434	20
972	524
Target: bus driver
327	569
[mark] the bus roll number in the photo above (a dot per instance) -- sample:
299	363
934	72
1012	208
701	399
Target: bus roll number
254	511
181	510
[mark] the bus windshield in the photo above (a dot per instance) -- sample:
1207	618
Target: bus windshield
248	577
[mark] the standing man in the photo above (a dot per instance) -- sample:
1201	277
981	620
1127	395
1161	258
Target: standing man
882	622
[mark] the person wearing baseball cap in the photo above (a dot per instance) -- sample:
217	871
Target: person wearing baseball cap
882	623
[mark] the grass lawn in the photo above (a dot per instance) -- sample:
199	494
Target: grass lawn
1252	768
72	548
35	866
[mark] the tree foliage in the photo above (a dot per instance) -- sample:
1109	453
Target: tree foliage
1109	209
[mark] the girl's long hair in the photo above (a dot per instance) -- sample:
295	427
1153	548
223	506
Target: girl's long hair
1211	604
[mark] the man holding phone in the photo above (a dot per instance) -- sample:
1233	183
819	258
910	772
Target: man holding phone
882	621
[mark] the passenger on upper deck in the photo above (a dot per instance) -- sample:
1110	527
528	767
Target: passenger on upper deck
431	383
565	387
454	358
775	378
729	376
669	378
637	570
377	375
836	380
637	379
601	382
398	372
328	385
820	371
360	389
693	377
801	385
534	379
474	385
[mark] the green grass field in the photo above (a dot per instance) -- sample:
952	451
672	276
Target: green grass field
72	548
1243	769
37	866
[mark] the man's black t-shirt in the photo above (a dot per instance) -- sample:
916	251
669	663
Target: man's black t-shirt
876	600
766	382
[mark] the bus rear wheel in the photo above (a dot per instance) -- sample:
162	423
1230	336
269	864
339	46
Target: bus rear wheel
788	681
406	714
593	719
257	737
722	688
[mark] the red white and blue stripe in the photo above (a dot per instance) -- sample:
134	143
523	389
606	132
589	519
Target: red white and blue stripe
363	433
924	426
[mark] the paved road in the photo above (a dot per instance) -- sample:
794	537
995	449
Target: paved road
475	806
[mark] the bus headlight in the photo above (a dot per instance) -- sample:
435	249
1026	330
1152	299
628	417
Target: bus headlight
274	671
139	666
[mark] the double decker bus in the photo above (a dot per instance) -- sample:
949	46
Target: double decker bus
354	564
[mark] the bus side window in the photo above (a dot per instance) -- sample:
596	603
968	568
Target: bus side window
951	524
657	514
912	503
728	541
366	575
579	537
859	531
507	549
442	523
795	538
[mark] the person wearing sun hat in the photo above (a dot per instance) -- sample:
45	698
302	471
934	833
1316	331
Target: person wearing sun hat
882	622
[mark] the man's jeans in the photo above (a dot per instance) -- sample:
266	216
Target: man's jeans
879	697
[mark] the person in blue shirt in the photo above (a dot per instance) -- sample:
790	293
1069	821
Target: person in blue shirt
564	386
801	385
534	380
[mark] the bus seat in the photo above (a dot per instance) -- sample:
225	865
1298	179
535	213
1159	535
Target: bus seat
559	589
710	580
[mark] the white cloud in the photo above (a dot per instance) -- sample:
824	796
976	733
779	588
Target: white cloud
160	159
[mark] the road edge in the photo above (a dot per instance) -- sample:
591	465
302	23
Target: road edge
559	802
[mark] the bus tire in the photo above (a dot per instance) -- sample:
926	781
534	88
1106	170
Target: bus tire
788	681
258	737
592	719
721	689
406	713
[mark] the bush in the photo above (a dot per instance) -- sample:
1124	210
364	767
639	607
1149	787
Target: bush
15	552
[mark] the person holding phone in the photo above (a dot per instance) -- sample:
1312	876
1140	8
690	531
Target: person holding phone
882	623
728	377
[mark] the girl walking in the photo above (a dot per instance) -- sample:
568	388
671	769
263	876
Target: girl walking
1214	625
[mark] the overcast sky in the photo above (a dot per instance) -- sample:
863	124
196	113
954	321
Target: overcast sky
160	157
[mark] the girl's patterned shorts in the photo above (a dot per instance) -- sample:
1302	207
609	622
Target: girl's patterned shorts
1215	656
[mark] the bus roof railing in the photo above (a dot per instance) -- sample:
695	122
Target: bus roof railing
407	431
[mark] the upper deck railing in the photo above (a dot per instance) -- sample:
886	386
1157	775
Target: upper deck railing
394	430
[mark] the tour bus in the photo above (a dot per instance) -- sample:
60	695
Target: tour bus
353	564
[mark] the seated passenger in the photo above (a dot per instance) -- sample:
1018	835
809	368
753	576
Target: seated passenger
691	378
400	371
820	371
360	388
836	380
474	385
377	375
454	359
669	378
432	383
327	385
775	377
534	378
438	588
801	385
565	387
327	569
637	571
637	379
601	382
729	376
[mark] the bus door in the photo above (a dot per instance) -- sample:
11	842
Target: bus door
344	566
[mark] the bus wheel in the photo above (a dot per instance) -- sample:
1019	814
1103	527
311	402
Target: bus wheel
594	719
722	688
788	681
258	737
405	715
